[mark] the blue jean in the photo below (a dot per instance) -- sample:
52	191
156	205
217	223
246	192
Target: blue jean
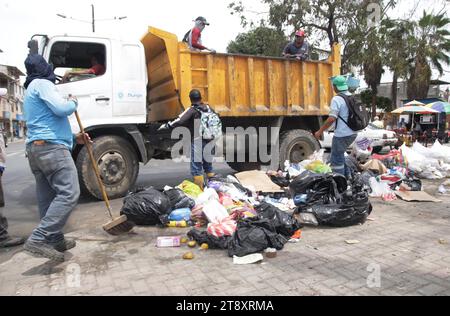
57	189
201	160
338	150
3	220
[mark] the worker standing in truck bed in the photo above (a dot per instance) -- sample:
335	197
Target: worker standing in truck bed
194	37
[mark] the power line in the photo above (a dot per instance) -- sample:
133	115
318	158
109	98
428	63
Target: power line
93	20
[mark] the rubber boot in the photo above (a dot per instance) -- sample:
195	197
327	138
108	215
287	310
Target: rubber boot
210	175
200	181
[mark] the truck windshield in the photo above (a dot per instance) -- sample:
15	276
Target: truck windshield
75	61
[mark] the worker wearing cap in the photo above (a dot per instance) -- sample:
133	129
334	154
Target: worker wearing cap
201	158
299	49
344	136
194	36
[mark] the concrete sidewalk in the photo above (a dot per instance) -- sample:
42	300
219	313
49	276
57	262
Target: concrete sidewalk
403	250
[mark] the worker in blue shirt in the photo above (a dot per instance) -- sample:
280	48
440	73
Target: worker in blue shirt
344	136
49	144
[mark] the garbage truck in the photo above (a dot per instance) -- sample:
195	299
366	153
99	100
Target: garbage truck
147	83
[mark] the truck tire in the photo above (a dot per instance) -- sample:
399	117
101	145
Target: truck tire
118	165
296	146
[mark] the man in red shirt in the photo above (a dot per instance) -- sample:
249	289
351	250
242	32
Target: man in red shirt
194	36
97	69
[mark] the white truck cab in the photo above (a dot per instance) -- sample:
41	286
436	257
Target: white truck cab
111	104
116	97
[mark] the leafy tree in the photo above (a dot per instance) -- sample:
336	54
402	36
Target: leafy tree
432	47
381	102
331	20
399	47
261	41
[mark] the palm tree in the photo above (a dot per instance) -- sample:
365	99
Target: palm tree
373	67
398	38
432	49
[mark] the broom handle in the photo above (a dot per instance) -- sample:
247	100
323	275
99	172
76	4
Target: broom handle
94	166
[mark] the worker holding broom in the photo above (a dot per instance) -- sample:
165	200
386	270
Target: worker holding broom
49	144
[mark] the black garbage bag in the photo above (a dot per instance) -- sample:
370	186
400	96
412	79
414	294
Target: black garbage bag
414	184
285	224
148	207
366	176
354	209
202	237
352	164
280	181
178	199
254	235
319	188
314	181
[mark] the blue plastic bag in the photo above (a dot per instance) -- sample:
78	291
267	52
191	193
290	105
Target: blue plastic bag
183	214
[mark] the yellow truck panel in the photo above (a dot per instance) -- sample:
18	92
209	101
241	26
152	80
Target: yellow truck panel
234	85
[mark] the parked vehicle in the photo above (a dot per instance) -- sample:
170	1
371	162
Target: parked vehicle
381	138
147	83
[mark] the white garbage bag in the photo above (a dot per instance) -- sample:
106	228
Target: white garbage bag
214	211
444	151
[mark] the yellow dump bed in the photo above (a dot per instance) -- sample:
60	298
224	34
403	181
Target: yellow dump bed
234	85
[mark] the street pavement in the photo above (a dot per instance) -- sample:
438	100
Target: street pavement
402	250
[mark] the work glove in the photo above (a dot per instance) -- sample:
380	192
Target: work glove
164	127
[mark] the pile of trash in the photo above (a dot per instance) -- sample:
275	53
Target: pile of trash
399	172
226	214
254	212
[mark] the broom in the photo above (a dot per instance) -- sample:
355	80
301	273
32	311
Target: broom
117	226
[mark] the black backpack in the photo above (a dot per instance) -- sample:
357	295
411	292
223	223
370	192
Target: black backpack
358	118
186	36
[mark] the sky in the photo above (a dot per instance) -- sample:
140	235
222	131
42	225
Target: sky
20	19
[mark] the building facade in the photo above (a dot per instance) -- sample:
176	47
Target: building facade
385	90
11	106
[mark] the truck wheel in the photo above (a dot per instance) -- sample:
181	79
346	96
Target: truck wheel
118	165
296	146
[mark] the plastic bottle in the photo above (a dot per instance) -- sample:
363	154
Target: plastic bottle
180	224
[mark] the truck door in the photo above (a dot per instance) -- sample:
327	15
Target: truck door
130	83
83	67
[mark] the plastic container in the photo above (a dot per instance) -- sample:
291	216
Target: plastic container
270	253
178	224
168	242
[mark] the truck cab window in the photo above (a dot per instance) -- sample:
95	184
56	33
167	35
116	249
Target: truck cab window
75	61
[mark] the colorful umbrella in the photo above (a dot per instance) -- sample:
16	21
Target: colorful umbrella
415	110
442	107
415	102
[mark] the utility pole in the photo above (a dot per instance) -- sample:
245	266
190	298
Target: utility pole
93	19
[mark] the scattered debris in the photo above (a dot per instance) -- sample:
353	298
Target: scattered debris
249	259
188	256
416	197
443	241
168	242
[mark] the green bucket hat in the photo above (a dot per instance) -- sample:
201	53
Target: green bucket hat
340	82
